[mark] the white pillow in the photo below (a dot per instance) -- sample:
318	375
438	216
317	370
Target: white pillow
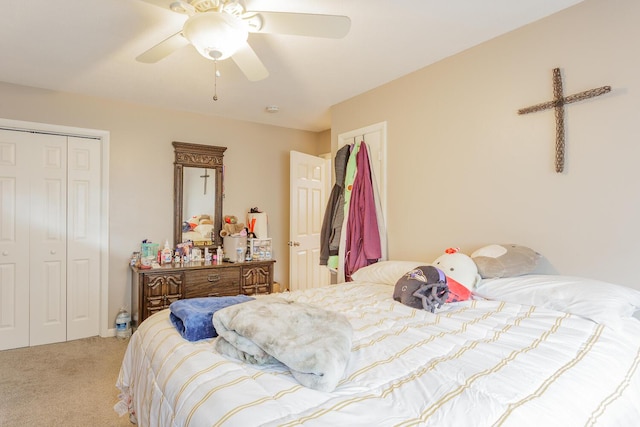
385	272
205	230
599	301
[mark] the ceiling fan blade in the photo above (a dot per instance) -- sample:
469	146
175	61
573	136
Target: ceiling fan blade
247	60
163	49
178	6
302	24
164	4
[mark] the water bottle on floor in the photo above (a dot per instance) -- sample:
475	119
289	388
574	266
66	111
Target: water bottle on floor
123	324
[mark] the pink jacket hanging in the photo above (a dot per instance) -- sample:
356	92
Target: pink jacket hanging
363	238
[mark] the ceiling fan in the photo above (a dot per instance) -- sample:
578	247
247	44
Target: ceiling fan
219	29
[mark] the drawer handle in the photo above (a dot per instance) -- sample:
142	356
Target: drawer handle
214	294
213	277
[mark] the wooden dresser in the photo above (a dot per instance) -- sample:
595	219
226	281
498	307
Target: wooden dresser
155	289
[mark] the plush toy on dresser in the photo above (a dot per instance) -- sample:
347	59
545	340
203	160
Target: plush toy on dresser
461	271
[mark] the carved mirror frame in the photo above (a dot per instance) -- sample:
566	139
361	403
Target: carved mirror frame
199	156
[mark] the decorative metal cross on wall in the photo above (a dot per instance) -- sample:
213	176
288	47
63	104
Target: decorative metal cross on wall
559	100
205	176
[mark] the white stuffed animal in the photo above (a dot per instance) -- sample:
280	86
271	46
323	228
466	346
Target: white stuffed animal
461	269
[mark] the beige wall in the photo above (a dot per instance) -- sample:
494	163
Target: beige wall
323	143
141	167
465	170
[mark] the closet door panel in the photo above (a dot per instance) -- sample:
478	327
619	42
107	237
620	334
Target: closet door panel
50	193
83	237
48	235
15	149
79	308
13	326
52	309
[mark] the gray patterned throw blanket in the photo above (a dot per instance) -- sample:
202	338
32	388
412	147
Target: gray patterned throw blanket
315	344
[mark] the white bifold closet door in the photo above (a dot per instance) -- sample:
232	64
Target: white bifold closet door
49	238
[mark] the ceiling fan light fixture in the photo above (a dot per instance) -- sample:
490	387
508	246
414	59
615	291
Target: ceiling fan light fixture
181	6
215	35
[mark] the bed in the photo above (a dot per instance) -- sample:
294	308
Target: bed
530	350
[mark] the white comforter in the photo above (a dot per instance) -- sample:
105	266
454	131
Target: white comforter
478	363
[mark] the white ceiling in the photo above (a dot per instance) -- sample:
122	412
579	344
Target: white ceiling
89	47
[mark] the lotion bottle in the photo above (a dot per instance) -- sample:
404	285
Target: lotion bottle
219	255
166	253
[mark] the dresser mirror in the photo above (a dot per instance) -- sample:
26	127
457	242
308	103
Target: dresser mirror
197	196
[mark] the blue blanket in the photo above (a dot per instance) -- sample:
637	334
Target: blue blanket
192	316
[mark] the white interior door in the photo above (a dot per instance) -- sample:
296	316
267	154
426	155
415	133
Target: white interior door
375	137
14	237
50	238
83	233
47	239
308	175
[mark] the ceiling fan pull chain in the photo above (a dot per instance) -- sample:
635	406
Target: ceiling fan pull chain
215	81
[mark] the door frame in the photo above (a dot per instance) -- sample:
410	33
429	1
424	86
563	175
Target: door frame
381	156
103	137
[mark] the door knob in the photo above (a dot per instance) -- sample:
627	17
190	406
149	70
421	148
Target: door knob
5	253
290	243
52	252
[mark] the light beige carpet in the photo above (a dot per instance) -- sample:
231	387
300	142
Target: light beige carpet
67	384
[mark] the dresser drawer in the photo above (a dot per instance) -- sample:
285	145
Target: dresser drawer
257	278
257	289
160	290
212	282
154	290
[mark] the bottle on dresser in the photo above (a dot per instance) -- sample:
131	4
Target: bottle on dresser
167	253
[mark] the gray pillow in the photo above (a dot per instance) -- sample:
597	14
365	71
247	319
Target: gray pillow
506	260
